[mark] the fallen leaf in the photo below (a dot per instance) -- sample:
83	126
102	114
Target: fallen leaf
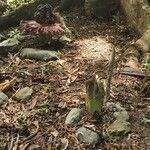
55	133
7	84
64	143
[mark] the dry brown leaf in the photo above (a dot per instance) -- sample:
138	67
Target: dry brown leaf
73	76
55	133
65	143
7	84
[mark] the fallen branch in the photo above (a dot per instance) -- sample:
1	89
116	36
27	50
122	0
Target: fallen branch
11	143
135	74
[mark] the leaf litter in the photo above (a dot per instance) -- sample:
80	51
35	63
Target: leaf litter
60	86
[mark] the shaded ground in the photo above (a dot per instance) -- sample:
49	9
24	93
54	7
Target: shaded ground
60	86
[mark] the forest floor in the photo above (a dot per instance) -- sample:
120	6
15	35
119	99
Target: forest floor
59	86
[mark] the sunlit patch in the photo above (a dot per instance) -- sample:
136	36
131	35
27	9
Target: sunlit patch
95	48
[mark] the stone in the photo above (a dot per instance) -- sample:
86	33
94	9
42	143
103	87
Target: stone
9	45
121	115
37	54
87	136
3	98
114	106
119	127
64	39
73	117
139	16
24	94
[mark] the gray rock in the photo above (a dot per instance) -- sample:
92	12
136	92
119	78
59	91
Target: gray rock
64	39
114	106
24	94
9	45
121	115
73	117
43	55
87	136
119	127
3	98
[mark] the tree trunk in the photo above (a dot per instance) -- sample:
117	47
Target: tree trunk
138	15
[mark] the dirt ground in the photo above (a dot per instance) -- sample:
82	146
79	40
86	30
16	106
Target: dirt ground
59	86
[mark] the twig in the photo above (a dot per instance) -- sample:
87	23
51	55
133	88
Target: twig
16	143
32	135
109	75
26	146
135	74
11	143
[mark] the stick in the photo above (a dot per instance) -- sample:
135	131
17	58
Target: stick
16	143
109	75
32	135
135	74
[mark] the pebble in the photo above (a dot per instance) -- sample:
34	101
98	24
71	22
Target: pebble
24	94
87	136
74	116
3	98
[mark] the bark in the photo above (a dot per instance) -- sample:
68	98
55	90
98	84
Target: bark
95	96
137	13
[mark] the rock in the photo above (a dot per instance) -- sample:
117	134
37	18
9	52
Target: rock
119	127
24	94
114	106
121	115
64	39
73	117
37	54
3	98
9	45
87	136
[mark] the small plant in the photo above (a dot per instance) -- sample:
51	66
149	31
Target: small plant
15	33
15	3
116	18
146	62
44	108
21	120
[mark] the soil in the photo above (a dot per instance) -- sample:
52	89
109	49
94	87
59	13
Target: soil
59	86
